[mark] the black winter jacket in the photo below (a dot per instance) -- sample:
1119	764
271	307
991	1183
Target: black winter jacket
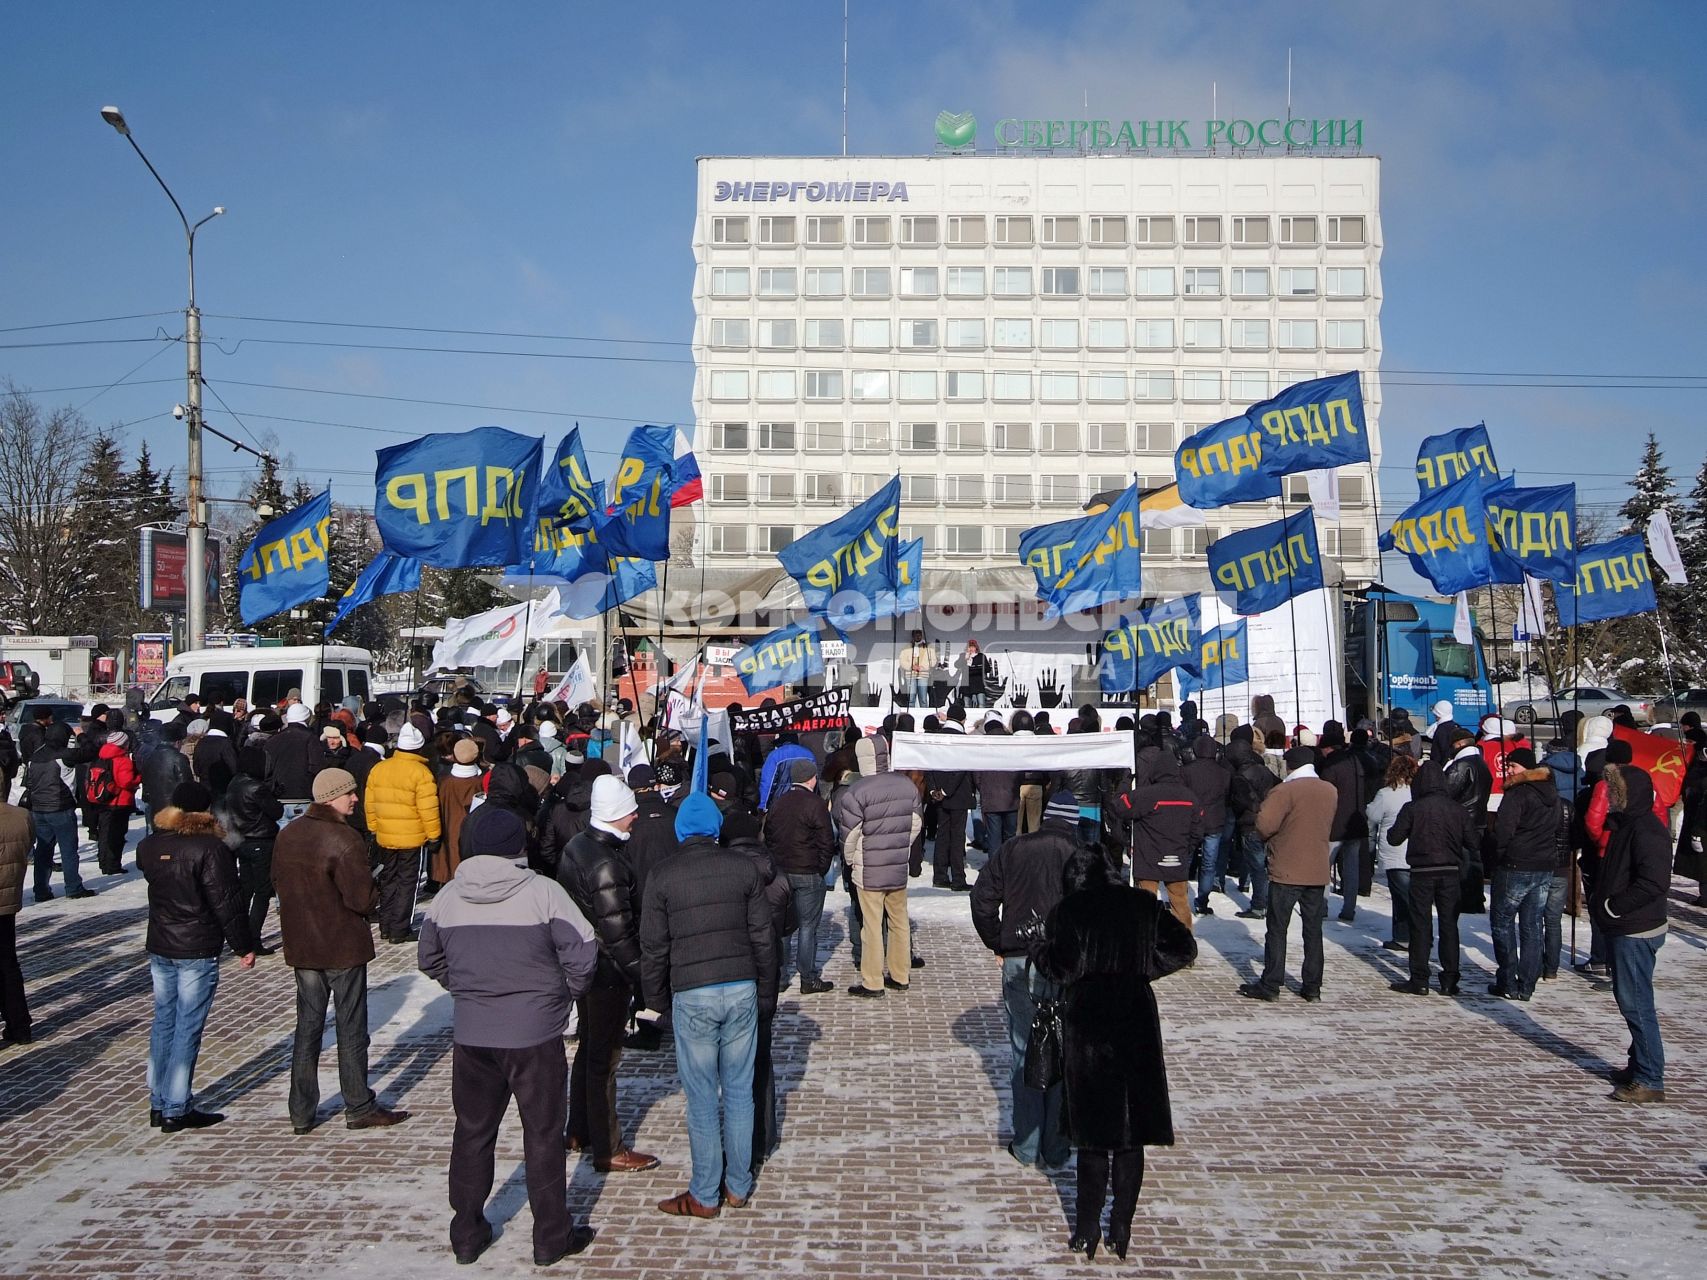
1346	771
1470	783
360	764
1251	783
1437	832
252	808
956	786
216	763
779	899
563	815
1166	819
706	920
1211	781
164	769
1020	885
45	776
194	907
600	882
652	839
1526	826
292	754
1629	891
797	833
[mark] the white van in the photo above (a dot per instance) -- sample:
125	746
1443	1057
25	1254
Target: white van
320	673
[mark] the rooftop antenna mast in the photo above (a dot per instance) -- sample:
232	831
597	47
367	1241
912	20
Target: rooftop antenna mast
844	77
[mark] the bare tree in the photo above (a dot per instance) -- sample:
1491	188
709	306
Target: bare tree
43	569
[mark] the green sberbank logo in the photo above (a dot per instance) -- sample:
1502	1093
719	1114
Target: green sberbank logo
956	130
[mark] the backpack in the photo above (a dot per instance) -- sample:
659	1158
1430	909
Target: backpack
101	787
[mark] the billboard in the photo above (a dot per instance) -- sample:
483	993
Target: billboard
149	656
162	562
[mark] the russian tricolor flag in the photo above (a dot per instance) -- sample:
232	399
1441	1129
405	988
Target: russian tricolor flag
685	484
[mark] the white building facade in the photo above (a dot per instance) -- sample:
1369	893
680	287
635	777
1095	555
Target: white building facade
1014	334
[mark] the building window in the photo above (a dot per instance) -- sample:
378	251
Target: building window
916	385
1152	386
1346	230
776	437
1156	542
963	384
1058	437
1010	491
964	437
826	232
966	230
1202	282
966	282
869	231
728	231
1345	335
823	384
918	282
1010	334
777	282
1153	282
731	282
823	282
1105	437
1060	282
1250	231
1108	230
1061	232
919	488
1105	335
1153	335
777	487
919	437
1011	387
916	335
728	384
1013	230
1153	437
1152	231
870	386
729	539
1106	388
775	537
730	333
1295	488
824	486
1106	282
963	334
775	385
777	335
730	437
871	437
919	230
1345	282
1353	542
1201	335
1012	437
825	335
1201	232
1200	384
823	437
963	540
1058	388
1297	282
1352	491
1058	335
1297	335
1058	490
1249	335
870	334
1194	540
871	282
1247	385
1250	282
776	231
1013	282
1296	232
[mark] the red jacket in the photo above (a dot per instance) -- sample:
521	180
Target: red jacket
1595	819
125	776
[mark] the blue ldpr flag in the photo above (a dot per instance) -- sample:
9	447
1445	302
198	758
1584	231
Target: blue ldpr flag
565	544
1452	455
1223	464
1105	562
387	574
1534	529
1256	570
910	572
637	522
1313	426
787	655
701	784
1445	536
1221	659
1141	650
845	567
1612	581
1043	549
285	563
455	501
599	591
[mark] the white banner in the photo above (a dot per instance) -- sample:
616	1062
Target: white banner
577	686
1462	630
1533	619
486	640
1009	753
1324	489
1663	543
1295	657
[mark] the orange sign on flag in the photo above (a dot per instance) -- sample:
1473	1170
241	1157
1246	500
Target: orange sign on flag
1665	760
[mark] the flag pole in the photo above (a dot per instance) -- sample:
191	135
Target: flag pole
1665	654
1493	672
414	641
1292	619
527	620
634	681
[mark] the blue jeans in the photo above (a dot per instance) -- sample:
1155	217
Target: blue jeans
716	1030
808	890
1036	1113
1256	863
1558	889
1214	864
1518	905
61	829
1633	988
999	828
1399	885
183	994
919	692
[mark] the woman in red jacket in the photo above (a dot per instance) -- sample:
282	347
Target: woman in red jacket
111	792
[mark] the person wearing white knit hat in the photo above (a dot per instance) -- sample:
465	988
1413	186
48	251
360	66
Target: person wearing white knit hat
402	808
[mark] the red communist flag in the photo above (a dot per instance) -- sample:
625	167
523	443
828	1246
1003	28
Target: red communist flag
1664	759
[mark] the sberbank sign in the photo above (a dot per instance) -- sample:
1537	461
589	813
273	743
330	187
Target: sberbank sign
959	132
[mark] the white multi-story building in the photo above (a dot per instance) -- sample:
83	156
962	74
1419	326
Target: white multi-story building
1014	334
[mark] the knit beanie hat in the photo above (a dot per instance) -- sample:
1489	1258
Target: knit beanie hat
297	713
411	739
329	784
192	797
1298	757
1061	807
612	800
498	833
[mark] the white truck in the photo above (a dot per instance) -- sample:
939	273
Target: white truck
264	676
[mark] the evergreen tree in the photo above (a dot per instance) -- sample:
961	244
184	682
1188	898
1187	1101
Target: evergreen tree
1631	650
102	546
264	493
1654	491
1691	530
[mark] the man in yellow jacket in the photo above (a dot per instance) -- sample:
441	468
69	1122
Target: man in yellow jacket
402	803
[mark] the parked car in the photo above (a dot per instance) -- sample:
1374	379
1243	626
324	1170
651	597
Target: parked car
1669	709
1589	700
21	713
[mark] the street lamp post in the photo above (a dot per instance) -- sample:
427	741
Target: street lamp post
195	549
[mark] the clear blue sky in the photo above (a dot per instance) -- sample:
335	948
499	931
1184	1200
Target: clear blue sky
529	168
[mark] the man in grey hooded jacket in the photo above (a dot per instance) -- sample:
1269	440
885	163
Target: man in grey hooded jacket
878	816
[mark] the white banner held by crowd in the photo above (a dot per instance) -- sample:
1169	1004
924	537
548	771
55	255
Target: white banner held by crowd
1011	753
577	687
485	640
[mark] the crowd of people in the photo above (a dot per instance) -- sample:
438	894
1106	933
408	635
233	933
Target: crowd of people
564	895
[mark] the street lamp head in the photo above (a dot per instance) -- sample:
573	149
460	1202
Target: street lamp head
115	117
218	209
